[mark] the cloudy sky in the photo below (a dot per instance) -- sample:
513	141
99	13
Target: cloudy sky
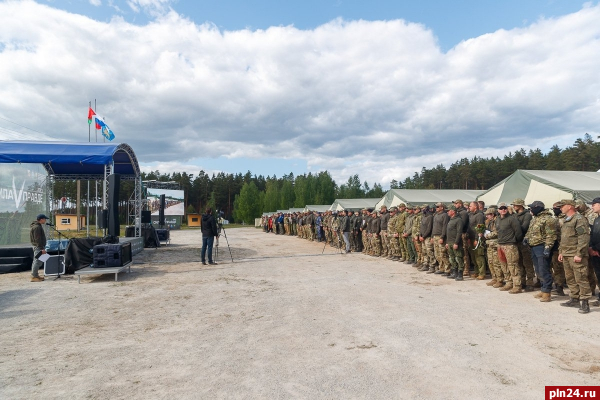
378	89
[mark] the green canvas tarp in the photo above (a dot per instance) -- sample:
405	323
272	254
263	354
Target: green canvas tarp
426	196
546	186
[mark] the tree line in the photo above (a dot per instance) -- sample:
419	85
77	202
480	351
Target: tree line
243	197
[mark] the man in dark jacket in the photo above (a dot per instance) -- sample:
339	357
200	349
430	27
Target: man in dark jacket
209	231
476	249
509	234
525	260
595	243
37	236
454	232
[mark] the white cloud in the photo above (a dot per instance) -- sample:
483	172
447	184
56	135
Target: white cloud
152	7
96	3
375	98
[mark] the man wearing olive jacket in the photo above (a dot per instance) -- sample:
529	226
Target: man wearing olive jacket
454	231
573	253
509	234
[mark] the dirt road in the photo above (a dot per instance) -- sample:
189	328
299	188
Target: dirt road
284	321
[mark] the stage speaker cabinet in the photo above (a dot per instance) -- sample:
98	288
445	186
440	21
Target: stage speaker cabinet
102	219
107	256
163	234
146	217
126	254
54	266
161	211
114	183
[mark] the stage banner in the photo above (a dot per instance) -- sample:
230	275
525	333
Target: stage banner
22	198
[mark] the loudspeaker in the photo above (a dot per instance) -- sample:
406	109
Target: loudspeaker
161	211
107	255
102	219
114	183
146	217
54	265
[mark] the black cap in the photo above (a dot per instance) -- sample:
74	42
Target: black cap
41	216
596	200
538	203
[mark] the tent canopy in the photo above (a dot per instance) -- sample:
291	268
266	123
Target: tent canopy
317	207
426	196
546	186
63	158
353	204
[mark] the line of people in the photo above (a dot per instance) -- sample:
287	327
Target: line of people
524	249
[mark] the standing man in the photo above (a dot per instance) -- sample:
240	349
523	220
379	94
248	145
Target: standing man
37	236
509	234
438	233
476	249
403	250
418	216
573	252
425	239
407	235
384	218
541	237
525	260
462	212
394	246
209	231
376	235
345	229
454	235
491	237
594	249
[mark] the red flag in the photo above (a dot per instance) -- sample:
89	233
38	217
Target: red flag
91	115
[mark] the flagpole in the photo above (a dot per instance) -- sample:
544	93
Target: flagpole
87	215
96	131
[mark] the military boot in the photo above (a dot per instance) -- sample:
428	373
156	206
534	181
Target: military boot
515	290
507	287
545	297
585	307
452	274
538	295
431	270
492	282
571	303
424	268
498	284
560	291
459	276
439	272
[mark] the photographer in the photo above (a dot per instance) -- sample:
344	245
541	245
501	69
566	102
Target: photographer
209	231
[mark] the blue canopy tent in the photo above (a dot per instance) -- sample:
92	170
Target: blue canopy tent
81	161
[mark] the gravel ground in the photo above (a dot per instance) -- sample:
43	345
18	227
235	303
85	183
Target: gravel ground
284	321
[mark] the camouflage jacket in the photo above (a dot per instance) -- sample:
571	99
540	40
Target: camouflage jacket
492	236
542	230
410	218
401	222
574	236
416	227
392	225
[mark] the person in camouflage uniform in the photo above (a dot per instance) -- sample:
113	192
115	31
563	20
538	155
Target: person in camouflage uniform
590	216
525	260
573	252
364	230
491	238
384	218
425	230
335	229
403	250
541	237
375	235
357	232
509	234
440	222
393	253
594	249
454	237
558	270
407	234
476	249
415	236
463	213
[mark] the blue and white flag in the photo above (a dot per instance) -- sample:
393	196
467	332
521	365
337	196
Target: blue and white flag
106	131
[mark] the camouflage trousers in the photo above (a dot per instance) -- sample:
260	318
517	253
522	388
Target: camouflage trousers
412	252
394	246
418	251
384	243
441	254
526	264
478	259
577	278
376	245
456	257
558	271
493	261
403	248
427	255
365	241
510	268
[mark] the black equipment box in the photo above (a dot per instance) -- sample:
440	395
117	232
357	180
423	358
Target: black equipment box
126	255
163	234
108	255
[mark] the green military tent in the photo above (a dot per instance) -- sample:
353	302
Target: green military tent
353	204
426	196
546	186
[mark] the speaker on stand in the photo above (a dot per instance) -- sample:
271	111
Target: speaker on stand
161	211
114	183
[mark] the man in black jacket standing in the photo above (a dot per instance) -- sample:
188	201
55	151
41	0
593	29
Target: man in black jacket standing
37	236
595	243
209	231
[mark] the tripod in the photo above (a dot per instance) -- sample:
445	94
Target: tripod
59	255
226	240
339	243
